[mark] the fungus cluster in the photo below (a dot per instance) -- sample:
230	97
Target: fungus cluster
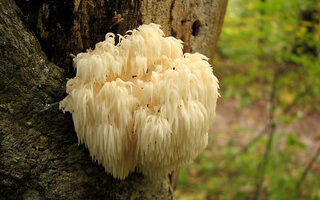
142	104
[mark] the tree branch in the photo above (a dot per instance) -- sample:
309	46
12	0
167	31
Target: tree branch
307	169
271	128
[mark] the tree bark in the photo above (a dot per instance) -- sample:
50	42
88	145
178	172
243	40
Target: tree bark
39	156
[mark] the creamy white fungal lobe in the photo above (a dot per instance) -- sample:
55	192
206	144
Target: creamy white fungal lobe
142	104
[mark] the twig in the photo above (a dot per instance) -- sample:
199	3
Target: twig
271	130
252	142
269	126
245	148
226	162
262	132
307	169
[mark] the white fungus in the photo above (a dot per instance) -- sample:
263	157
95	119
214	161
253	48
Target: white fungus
142	104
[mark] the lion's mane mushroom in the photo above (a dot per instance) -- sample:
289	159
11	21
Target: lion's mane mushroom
142	104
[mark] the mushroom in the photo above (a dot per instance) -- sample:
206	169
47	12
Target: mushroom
142	104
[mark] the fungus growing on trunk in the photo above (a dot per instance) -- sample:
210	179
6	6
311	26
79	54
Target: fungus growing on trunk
142	104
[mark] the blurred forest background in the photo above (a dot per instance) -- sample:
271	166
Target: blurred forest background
266	140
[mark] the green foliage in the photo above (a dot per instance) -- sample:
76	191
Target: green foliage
183	178
217	174
293	141
261	38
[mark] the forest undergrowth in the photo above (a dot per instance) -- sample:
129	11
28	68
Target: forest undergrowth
265	143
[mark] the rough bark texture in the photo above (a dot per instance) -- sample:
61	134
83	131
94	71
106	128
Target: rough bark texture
39	155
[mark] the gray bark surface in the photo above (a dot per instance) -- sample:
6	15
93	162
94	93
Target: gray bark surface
39	156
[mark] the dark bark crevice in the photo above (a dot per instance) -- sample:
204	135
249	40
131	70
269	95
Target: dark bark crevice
70	27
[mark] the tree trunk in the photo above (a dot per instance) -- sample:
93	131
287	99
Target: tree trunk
39	156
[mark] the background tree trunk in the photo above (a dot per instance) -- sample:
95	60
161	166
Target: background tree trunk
39	156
